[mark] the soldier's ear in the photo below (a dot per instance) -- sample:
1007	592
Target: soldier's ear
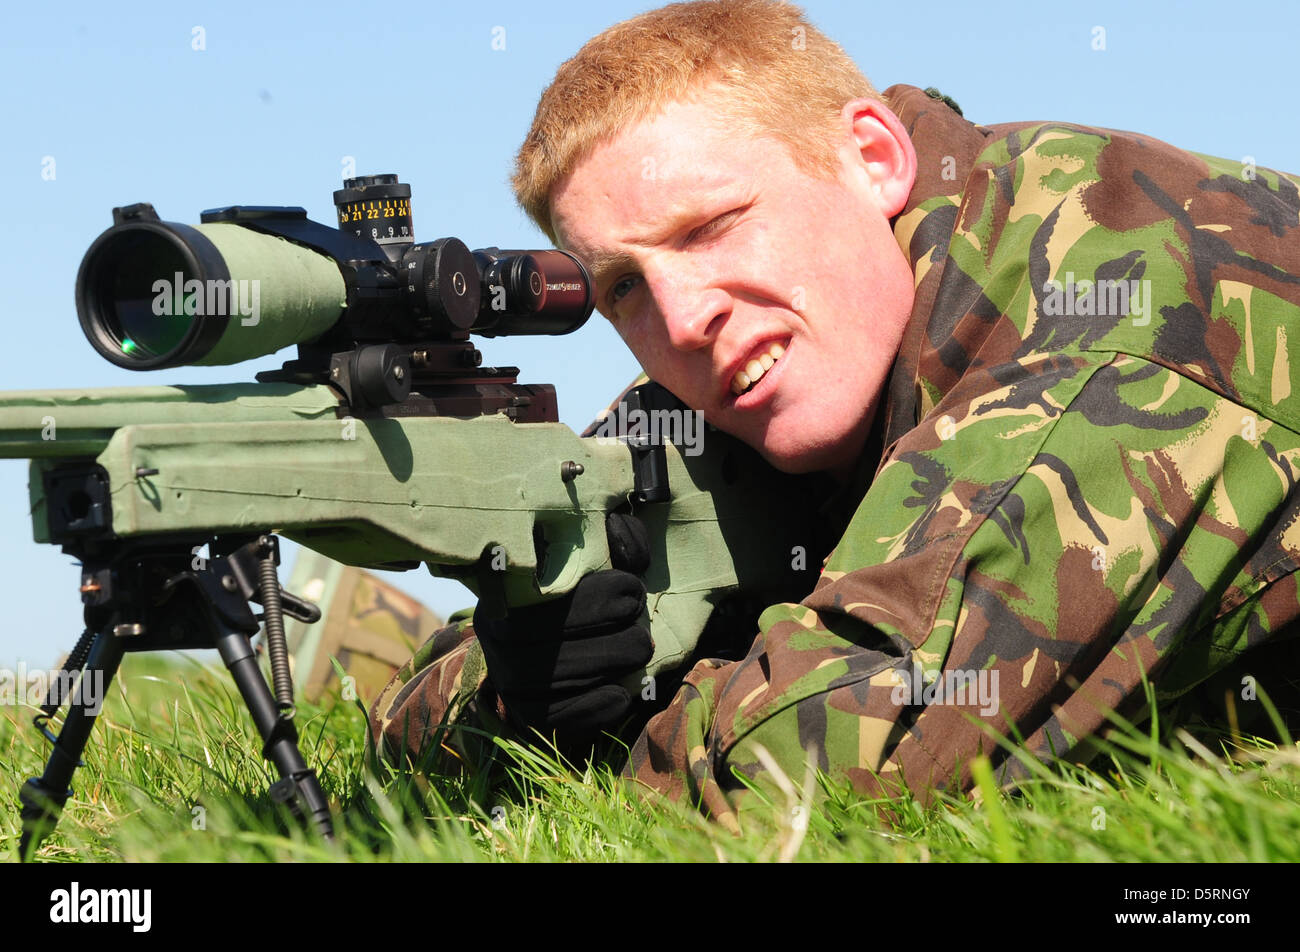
880	151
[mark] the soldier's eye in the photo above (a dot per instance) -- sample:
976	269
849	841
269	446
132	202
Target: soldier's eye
716	225
621	288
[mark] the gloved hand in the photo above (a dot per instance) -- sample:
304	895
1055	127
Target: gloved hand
556	665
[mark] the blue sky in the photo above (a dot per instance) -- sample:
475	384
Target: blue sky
269	110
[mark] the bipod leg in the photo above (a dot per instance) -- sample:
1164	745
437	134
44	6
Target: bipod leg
298	785
42	798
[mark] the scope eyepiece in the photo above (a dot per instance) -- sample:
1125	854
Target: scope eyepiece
532	292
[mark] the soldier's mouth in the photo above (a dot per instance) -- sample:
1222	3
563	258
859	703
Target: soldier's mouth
753	371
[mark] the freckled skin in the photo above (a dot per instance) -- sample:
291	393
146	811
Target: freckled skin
726	246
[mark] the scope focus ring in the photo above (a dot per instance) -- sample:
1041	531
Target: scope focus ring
443	282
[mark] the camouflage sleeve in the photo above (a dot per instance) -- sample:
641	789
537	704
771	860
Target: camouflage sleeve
1055	530
438	711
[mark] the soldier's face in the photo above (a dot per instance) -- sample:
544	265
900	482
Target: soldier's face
772	301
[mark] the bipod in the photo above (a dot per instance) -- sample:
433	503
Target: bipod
159	595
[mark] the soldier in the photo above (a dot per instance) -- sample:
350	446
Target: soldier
1048	366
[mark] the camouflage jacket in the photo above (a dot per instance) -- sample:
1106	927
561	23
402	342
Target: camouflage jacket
1085	479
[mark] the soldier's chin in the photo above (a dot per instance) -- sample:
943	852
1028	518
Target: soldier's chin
799	459
835	452
800	449
799	465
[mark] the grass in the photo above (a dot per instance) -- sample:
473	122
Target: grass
173	773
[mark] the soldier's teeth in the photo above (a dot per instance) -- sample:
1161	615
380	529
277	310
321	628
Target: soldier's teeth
755	369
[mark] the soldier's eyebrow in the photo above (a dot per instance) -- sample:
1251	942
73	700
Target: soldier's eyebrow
600	262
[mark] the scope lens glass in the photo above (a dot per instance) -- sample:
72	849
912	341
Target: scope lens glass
144	307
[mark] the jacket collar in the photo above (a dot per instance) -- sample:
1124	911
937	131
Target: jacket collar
946	149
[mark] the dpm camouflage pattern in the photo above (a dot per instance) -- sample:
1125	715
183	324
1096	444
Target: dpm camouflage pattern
1090	448
415	719
368	625
1067	500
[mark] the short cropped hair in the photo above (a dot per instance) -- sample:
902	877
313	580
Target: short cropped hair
781	77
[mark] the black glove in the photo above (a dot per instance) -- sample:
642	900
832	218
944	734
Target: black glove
556	665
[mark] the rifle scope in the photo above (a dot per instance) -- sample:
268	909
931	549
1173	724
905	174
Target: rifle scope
250	280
